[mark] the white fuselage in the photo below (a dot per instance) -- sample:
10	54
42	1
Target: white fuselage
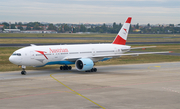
58	54
82	55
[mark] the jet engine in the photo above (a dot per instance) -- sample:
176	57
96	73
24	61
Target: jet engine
84	64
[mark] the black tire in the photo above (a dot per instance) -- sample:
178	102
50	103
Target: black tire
64	67
61	68
95	69
92	70
69	67
22	72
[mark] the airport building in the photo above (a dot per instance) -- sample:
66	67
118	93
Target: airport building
39	31
11	31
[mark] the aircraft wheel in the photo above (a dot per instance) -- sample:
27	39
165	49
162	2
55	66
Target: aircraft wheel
69	67
23	73
95	69
61	68
92	70
64	67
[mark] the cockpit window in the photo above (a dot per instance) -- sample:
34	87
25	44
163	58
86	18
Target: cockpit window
16	54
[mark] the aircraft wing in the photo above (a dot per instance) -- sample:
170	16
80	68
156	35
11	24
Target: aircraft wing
73	59
124	49
130	54
142	47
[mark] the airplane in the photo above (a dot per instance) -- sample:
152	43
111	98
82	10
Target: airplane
84	56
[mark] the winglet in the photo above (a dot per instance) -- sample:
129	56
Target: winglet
122	35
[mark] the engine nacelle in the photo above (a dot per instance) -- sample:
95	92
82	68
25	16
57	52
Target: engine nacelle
84	64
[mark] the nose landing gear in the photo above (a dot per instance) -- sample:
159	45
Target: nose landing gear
23	72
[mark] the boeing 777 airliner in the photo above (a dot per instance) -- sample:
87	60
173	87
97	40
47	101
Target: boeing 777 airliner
82	55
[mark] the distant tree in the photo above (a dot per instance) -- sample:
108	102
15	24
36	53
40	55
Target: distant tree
13	26
19	23
114	25
171	25
82	28
66	27
104	28
148	25
36	26
77	29
20	27
130	29
28	28
137	26
6	25
101	30
115	28
120	25
52	27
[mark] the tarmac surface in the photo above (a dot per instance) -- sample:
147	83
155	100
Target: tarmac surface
133	86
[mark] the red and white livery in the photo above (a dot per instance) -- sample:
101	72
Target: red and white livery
82	55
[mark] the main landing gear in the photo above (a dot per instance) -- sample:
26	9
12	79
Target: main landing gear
92	70
65	67
23	72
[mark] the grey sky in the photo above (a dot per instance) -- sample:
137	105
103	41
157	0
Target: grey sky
91	11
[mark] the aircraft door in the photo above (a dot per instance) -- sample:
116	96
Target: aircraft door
115	50
32	54
93	52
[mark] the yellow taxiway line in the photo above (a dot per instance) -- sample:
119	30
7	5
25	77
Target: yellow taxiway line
76	92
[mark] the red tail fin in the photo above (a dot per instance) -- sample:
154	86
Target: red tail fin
122	35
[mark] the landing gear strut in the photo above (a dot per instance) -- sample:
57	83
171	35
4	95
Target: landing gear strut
65	67
92	70
23	72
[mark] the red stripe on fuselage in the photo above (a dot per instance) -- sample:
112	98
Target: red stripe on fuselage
42	52
119	40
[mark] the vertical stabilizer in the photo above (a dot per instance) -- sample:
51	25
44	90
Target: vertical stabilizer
123	33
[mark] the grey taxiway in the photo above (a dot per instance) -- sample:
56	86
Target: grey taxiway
133	86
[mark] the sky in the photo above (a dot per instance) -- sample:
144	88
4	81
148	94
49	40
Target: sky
91	11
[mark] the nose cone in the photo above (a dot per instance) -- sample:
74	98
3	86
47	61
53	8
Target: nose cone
11	59
14	60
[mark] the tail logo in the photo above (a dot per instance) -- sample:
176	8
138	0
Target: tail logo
125	30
